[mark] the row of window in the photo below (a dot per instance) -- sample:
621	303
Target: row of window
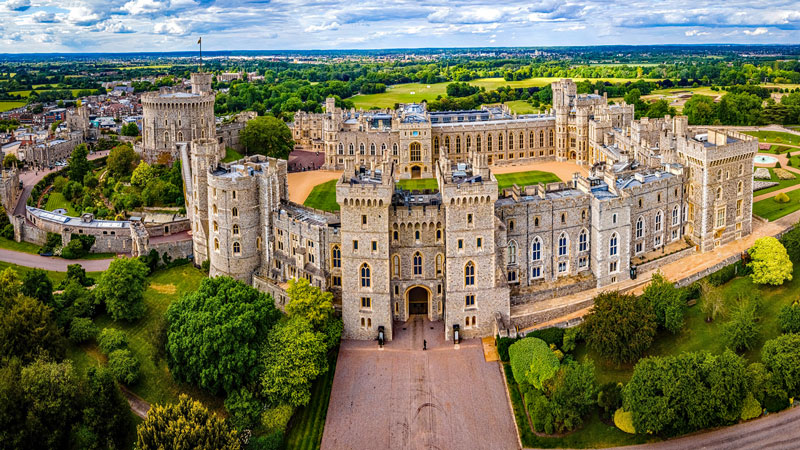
532	141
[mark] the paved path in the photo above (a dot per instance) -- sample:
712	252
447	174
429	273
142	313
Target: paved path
51	263
137	404
402	397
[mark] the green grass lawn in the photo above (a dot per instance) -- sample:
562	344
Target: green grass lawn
782	149
56	201
521	107
7	106
156	384
772	210
55	277
308	423
27	93
323	197
25	247
231	155
506	180
418	184
777	137
781	183
700	90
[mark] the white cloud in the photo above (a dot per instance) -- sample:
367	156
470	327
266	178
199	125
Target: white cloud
17	5
696	33
170	27
44	17
144	6
757	32
323	27
116	27
83	16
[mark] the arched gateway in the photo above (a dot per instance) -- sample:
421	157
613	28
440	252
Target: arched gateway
418	299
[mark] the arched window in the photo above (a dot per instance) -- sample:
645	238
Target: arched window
180	136
383	149
469	142
521	140
552	138
235	229
511	141
658	221
583	241
536	249
639	228
741	170
394	149
512	252
500	142
417	235
675	215
541	138
214	208
352	149
438	264
436	143
415	151
417	263
216	244
216	227
478	142
489	143
458	144
361	148
396	266
365	276
739	188
531	140
469	274
447	144
258	243
612	245
719	175
372	149
341	148
237	248
562	244
336	256
235	212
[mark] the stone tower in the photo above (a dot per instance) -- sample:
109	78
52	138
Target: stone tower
564	91
204	155
364	196
201	83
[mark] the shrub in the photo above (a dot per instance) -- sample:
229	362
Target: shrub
667	301
776	403
769	261
243	408
789	318
124	366
502	347
620	327
272	441
609	398
572	336
539	409
784	174
751	408
112	339
275	419
553	335
741	331
781	356
523	353
82	329
624	421
781	198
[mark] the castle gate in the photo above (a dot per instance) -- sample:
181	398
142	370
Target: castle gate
416	171
418	299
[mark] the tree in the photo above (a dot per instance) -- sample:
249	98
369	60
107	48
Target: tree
122	287
81	330
130	129
572	394
27	328
37	284
215	334
620	327
78	165
121	160
789	318
51	400
9	160
143	174
185	425
244	408
293	358
543	363
781	356
124	366
309	302
770	262
112	339
667	301
267	135
713	301
741	331
700	110
106	415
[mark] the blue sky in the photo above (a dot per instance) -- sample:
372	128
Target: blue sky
169	25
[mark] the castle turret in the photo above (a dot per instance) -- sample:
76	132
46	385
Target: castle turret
201	83
204	155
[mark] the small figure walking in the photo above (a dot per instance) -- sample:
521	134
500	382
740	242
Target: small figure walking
424	345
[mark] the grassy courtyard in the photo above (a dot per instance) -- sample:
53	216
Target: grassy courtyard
231	155
418	184
506	180
323	197
56	201
776	137
781	183
772	210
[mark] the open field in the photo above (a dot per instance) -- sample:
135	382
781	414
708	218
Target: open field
776	137
154	66
323	197
521	179
28	92
521	107
772	210
418	184
9	105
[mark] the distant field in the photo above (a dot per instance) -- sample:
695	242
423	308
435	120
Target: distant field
6	106
418	184
623	64
156	66
702	90
521	107
521	179
28	92
777	137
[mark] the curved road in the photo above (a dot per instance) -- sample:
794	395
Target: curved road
51	263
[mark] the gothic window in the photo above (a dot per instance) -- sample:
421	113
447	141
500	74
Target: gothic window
531	140
521	140
741	170
489	143
383	149
336	256
658	221
237	248
719	193
469	142
235	229
536	249
415	150
235	212
583	241
214	208
216	244
417	263
458	144
675	215
739	188
478	142
447	144
541	138
341	148
365	276
361	148
396	266
511	141
612	245
436	143
719	175
216	227
562	244
438	264
552	138
469	274
394	149
639	228
511	225
372	149
512	252
500	142
180	136
352	149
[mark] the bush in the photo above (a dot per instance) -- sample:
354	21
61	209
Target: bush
751	408
553	335
112	339
243	408
789	318
609	398
539	409
53	241
723	275
624	421
124	366
7	231
776	403
781	198
572	336
741	331
81	330
272	441
502	347
275	419
524	353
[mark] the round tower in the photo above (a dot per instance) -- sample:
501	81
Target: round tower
204	155
201	83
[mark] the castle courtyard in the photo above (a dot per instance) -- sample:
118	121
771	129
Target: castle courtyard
402	397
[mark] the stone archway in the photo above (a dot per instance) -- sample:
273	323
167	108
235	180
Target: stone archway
416	172
418	300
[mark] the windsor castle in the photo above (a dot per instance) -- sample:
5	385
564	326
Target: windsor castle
466	253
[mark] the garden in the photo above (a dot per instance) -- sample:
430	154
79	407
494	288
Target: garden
671	361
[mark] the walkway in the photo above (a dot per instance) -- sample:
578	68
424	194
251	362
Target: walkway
138	405
52	263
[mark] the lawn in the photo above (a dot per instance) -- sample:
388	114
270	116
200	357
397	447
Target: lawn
56	201
308	423
418	184
24	247
27	93
701	90
521	107
506	180
772	210
231	155
7	106
781	183
323	197
55	277
156	384
782	149
777	137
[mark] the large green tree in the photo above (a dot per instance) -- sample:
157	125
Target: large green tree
309	302
37	284
51	401
186	425
106	414
781	356
620	327
668	302
293	358
122	287
267	135
79	165
121	160
215	334
770	262
27	326
700	110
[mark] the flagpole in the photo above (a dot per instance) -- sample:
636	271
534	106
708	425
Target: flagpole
200	41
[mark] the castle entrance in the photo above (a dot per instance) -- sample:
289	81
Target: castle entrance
416	172
418	299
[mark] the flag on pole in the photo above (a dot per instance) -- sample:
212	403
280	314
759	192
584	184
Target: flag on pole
200	41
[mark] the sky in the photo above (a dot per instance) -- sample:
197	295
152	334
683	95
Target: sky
33	26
